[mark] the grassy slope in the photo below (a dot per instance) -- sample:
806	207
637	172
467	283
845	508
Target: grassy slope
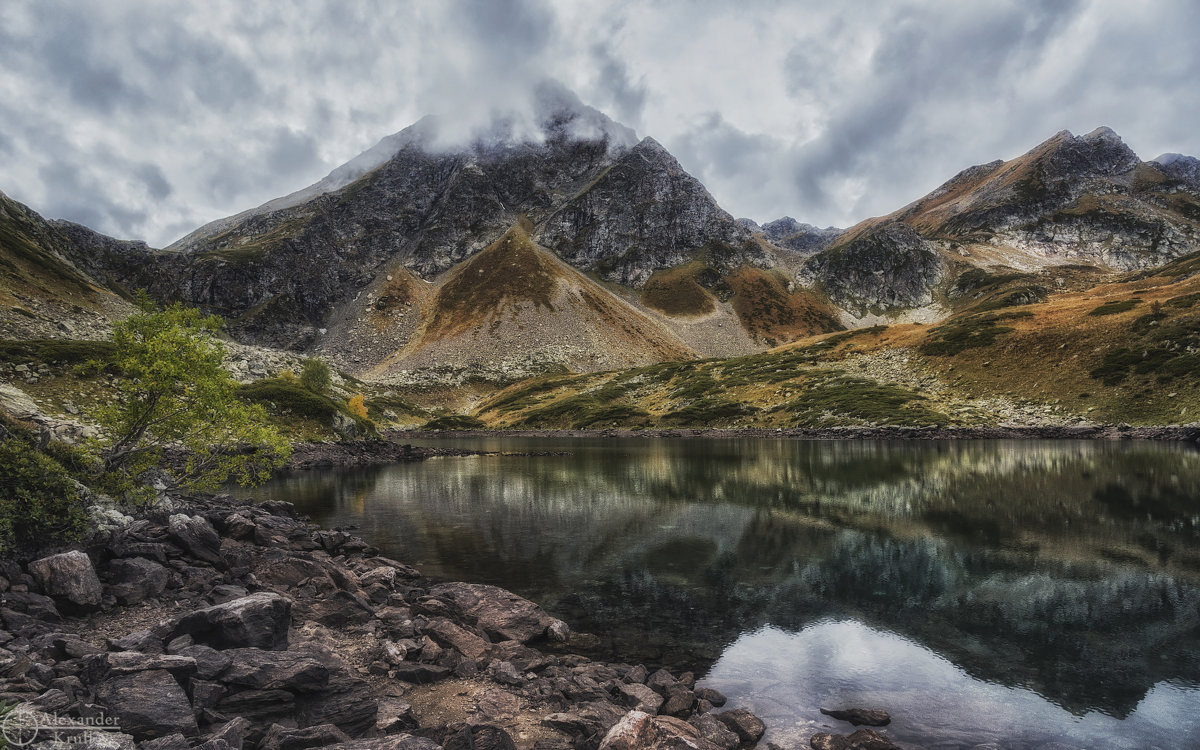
1127	350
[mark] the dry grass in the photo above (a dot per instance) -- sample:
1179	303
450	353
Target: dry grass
677	292
774	315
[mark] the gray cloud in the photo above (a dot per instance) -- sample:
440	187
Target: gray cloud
146	119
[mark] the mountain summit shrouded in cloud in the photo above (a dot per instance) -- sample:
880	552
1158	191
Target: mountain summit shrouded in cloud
147	120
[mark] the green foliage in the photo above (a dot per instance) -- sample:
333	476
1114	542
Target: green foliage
862	399
56	350
39	503
526	395
968	333
454	422
174	391
315	376
608	415
290	396
1185	301
708	410
1112	307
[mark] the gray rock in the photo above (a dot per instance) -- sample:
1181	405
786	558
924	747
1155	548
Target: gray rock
281	738
863	739
479	737
638	730
144	641
870	717
466	643
714	697
715	732
420	674
197	537
275	670
640	697
135	579
747	726
233	732
260	620
394	715
210	663
148	704
499	613
69	578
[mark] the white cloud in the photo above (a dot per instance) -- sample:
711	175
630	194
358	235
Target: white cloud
147	119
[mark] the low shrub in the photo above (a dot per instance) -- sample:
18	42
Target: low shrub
454	422
39	503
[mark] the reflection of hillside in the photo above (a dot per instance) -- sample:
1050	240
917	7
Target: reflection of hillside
1071	568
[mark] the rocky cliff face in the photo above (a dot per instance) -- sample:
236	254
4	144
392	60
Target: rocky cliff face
795	235
1072	199
887	267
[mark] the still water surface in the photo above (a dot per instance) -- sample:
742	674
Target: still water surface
1013	593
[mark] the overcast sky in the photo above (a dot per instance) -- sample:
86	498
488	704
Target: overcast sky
145	120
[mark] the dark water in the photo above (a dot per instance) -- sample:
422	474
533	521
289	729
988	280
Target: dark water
1012	593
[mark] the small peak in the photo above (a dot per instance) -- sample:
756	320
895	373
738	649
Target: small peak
651	145
1103	133
1168	158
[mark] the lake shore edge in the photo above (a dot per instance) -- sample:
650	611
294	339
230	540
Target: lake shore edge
207	621
1170	433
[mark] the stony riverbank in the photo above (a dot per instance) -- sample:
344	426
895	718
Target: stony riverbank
1189	433
209	623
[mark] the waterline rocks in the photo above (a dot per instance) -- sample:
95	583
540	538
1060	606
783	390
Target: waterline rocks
226	626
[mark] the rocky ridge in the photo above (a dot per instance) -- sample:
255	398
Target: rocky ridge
208	623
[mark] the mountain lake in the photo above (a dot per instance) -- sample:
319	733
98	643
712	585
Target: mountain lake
1012	594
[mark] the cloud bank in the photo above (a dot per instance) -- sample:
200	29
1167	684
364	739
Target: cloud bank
145	120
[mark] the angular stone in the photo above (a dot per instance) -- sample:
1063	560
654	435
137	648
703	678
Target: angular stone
281	738
586	721
143	641
104	666
233	732
274	670
499	613
258	705
420	674
863	739
679	703
394	742
197	537
257	621
715	732
870	717
712	696
69	579
479	737
395	715
210	663
135	579
747	726
639	697
448	634
148	704
347	702
638	730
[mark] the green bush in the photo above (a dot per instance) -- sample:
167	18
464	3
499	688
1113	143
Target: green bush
1112	307
38	501
315	376
454	422
291	396
56	350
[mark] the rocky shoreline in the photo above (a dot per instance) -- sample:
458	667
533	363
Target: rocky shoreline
206	622
1189	433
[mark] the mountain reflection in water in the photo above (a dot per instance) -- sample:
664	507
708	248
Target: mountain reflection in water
1061	577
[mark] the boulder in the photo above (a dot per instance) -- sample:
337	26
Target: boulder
679	702
258	705
638	730
714	697
863	739
256	621
395	715
148	704
478	737
420	674
275	670
101	667
144	641
232	732
715	732
466	643
197	537
499	613
209	662
135	579
69	579
347	702
587	722
281	738
394	742
746	725
639	697
869	717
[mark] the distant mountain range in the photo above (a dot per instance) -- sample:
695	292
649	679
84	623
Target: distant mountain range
587	248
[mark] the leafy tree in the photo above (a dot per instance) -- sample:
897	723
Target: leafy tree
173	392
315	376
357	406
